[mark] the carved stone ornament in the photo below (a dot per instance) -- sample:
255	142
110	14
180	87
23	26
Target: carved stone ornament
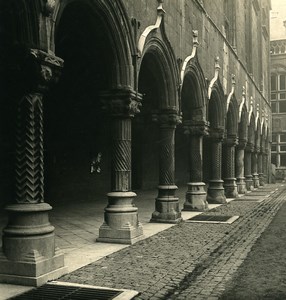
121	102
167	118
217	134
231	141
249	147
48	68
241	144
199	128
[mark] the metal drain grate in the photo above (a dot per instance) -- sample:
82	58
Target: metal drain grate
213	219
69	291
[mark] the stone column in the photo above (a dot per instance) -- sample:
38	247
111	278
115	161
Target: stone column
254	163
247	167
29	255
196	194
260	166
230	186
240	179
216	189
121	224
167	204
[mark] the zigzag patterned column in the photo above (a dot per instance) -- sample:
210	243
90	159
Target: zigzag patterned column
230	186
167	204
196	194
216	189
121	223
29	255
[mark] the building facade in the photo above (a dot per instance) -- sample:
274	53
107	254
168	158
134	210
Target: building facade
116	97
278	88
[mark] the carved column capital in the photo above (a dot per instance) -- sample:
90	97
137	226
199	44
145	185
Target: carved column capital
231	141
217	134
199	128
241	144
249	147
121	102
167	118
46	67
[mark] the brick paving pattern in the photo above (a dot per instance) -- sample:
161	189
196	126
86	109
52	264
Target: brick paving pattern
189	260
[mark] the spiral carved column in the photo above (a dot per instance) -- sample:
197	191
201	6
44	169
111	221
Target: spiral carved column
216	190
167	204
121	224
230	186
196	198
247	166
29	254
240	179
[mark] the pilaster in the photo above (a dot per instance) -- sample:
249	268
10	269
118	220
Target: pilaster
216	190
167	204
121	224
196	194
29	254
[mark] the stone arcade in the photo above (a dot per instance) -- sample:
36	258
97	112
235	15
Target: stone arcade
168	97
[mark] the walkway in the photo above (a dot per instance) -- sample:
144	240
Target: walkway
185	261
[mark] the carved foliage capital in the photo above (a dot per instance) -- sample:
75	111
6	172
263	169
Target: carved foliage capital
231	141
249	147
217	134
121	102
241	144
167	118
47	68
199	128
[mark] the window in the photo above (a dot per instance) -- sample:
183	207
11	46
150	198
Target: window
273	96
274	107
273	148
282	95
283	138
273	83
283	148
283	160
282	106
282	82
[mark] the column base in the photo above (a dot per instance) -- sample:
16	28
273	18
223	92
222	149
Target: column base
261	179
255	179
34	269
241	187
29	256
196	197
167	205
249	183
121	223
216	192
230	187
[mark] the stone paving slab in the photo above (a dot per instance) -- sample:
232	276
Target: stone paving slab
186	261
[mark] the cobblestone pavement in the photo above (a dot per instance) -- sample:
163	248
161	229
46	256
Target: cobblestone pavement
189	260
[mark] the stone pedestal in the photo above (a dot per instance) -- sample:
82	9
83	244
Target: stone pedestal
240	179
29	255
167	204
196	194
216	190
121	223
230	186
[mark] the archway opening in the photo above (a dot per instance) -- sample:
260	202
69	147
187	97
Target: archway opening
77	132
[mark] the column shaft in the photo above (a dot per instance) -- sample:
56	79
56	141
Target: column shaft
247	168
240	179
254	172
